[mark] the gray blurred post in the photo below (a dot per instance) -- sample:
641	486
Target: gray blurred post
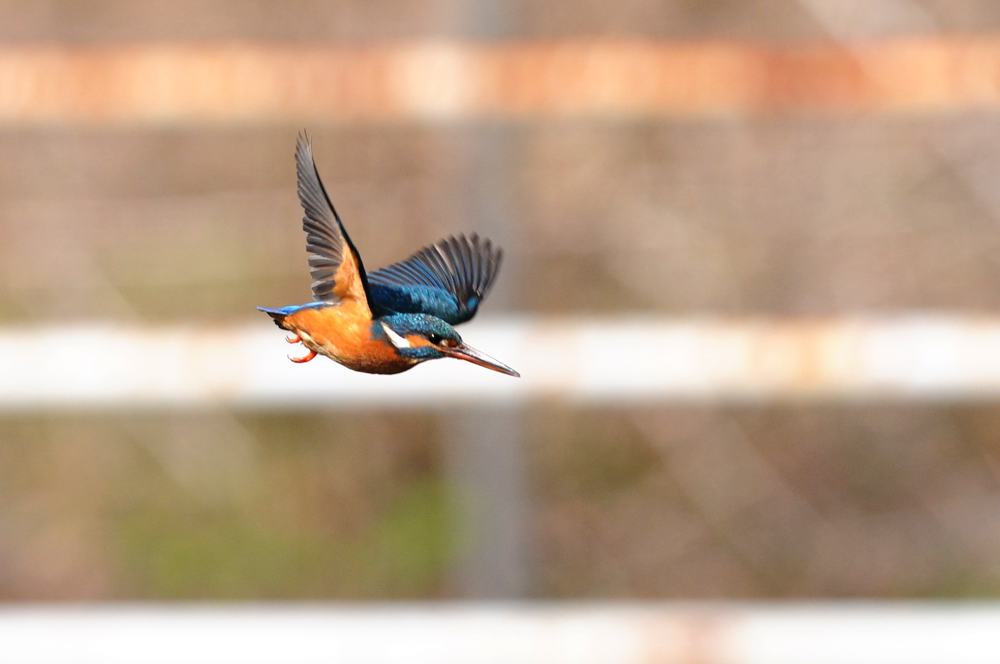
484	444
485	462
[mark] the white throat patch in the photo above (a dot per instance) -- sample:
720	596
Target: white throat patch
395	339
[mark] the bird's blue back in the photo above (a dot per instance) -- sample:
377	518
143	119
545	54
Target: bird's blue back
448	280
419	299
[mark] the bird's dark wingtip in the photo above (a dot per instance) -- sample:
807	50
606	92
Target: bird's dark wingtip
303	148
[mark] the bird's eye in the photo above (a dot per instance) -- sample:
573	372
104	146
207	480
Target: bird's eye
434	338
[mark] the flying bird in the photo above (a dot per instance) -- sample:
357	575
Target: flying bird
396	317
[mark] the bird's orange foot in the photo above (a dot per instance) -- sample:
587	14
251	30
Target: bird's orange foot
293	339
305	358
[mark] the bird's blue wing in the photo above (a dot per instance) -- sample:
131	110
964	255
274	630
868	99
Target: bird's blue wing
448	279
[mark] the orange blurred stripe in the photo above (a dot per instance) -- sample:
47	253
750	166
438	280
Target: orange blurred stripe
448	80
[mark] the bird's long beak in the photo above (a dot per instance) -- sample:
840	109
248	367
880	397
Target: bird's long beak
470	354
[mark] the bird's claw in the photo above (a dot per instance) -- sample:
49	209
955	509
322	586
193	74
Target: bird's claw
296	339
305	358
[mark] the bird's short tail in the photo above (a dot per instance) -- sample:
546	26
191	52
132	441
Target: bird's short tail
278	315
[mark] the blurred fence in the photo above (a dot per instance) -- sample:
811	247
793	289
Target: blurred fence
446	80
621	360
626	360
500	634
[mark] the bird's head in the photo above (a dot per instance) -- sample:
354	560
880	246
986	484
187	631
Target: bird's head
421	337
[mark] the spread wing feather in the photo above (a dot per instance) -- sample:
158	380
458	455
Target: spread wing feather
447	279
334	263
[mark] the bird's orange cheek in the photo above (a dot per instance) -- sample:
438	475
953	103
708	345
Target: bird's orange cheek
417	341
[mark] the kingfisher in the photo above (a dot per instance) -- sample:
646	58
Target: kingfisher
395	318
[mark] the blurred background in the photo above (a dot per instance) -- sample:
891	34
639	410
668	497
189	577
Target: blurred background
784	163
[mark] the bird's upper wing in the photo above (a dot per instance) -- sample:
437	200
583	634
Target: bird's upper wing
447	279
336	268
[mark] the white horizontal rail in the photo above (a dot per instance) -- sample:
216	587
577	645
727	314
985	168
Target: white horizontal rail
504	634
614	360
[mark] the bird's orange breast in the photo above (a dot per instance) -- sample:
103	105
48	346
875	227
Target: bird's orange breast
343	332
